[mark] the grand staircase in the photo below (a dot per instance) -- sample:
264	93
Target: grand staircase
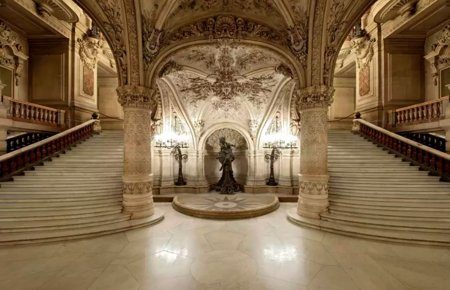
75	195
374	194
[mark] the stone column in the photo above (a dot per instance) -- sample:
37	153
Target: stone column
138	104
313	105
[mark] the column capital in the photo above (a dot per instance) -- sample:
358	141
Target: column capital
314	97
132	96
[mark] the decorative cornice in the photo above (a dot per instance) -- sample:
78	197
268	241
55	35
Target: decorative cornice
396	8
314	97
138	97
56	8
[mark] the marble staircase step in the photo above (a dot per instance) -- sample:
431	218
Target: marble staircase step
382	212
45	216
58	224
392	224
84	232
418	203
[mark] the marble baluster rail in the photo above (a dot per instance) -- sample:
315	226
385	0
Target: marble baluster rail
421	113
430	159
34	113
17	161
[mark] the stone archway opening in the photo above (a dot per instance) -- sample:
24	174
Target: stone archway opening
212	148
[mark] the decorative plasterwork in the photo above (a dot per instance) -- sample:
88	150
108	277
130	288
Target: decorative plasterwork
230	135
11	51
363	49
115	30
314	97
335	29
439	57
222	27
89	48
396	8
138	97
56	8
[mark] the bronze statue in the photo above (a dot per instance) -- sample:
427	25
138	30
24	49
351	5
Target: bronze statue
227	184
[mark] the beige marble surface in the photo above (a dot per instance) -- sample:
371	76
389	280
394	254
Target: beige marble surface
183	252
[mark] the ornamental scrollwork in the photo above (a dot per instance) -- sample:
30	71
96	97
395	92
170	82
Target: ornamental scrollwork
132	96
137	188
314	97
89	48
115	31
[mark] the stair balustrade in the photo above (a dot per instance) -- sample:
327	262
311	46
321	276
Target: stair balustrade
430	140
33	113
22	159
425	112
436	162
23	140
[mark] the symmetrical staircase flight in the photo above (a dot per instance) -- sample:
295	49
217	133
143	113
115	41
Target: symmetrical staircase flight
78	194
375	194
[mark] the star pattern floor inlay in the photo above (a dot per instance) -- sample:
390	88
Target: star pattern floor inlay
220	206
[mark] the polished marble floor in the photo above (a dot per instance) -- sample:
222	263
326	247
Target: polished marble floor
184	252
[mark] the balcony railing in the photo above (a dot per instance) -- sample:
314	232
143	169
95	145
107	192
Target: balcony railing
33	113
26	157
438	163
426	112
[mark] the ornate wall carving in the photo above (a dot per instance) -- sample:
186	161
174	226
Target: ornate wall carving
439	56
314	97
138	97
115	30
56	8
11	51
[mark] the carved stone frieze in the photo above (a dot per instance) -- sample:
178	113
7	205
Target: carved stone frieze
89	48
314	97
138	97
313	188
137	188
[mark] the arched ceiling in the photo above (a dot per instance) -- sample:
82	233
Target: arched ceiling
169	14
228	81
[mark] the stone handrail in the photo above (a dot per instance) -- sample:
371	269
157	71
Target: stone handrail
433	160
33	113
421	113
19	160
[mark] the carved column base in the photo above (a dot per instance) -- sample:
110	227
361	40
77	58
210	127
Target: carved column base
138	199
313	195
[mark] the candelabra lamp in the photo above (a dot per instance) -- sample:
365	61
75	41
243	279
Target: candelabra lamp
180	157
271	158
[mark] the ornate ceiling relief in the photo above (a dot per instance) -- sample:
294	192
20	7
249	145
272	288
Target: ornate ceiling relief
256	9
225	82
115	31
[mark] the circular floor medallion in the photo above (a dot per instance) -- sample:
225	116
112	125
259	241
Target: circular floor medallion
222	206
